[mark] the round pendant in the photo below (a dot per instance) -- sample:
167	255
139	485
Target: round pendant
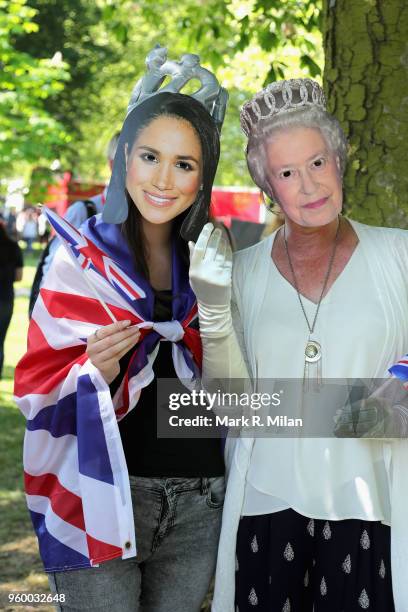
313	351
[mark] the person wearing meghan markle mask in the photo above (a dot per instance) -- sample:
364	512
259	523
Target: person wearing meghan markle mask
127	520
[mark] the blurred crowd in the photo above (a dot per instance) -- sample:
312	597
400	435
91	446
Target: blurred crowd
29	225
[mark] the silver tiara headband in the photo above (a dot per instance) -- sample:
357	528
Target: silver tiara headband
281	97
211	95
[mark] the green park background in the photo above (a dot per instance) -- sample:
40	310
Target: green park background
67	68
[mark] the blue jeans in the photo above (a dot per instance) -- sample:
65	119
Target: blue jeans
29	242
177	523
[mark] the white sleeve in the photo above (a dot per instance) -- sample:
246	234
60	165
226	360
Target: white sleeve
402	254
224	357
76	214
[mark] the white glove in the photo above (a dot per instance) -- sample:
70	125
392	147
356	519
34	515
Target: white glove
210	279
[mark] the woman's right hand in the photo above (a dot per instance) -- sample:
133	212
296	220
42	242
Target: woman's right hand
109	344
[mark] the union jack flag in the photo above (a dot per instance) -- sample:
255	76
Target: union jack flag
90	256
75	472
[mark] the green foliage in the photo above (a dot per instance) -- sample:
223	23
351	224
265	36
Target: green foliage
40	180
75	29
104	43
220	28
247	43
27	131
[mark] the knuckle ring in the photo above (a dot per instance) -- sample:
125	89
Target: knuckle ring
96	335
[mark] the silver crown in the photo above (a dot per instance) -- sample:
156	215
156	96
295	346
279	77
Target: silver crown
211	95
281	97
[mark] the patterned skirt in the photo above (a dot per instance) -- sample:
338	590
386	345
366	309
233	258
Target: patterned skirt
287	562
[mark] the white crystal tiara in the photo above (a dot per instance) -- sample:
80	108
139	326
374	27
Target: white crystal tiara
280	97
211	95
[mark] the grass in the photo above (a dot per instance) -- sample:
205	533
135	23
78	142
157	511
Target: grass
20	564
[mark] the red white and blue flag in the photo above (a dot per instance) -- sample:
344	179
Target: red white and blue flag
76	479
90	256
400	370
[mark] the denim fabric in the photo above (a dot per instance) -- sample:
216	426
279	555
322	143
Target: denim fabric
177	522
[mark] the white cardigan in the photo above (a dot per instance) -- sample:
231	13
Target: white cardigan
386	252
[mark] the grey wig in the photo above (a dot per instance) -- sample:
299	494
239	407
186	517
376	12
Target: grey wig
307	117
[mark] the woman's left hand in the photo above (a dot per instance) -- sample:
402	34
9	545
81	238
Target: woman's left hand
361	419
383	414
211	267
210	279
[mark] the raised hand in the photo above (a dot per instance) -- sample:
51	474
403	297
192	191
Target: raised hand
211	267
211	281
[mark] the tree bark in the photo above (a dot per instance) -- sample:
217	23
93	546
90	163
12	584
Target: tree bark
366	83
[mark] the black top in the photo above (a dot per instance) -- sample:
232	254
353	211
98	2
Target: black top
150	456
11	258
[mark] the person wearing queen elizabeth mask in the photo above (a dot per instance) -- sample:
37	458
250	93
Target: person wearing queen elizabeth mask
310	523
127	520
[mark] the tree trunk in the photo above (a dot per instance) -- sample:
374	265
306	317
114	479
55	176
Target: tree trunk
366	83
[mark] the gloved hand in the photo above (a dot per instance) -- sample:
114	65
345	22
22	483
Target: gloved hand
383	414
210	279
